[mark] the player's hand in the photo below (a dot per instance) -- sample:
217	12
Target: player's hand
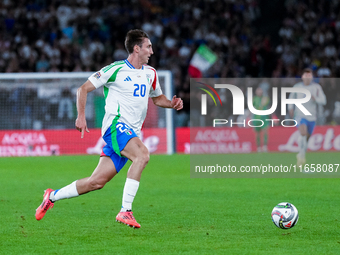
176	103
81	126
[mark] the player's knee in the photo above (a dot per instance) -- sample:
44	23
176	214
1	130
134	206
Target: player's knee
144	157
303	132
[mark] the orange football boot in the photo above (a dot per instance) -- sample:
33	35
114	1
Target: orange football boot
45	205
128	219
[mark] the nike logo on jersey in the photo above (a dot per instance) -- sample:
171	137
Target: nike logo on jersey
128	79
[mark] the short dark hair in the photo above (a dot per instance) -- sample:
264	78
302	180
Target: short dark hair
307	70
134	37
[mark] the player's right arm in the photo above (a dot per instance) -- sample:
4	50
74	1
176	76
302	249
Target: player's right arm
82	92
320	97
291	106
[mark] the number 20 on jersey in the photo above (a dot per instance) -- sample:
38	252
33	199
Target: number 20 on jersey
139	90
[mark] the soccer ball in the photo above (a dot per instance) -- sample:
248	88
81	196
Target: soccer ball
285	215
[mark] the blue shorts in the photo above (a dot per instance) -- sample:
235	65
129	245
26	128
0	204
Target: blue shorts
116	138
310	125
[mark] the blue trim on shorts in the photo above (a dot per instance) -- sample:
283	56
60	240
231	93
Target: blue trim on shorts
122	140
310	125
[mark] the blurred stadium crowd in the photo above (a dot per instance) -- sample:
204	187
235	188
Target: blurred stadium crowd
252	38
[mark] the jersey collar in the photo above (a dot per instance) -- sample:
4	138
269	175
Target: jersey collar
131	66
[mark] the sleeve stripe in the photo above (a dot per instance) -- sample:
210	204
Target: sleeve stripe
154	80
114	75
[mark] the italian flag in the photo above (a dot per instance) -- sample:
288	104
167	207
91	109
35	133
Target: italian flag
202	60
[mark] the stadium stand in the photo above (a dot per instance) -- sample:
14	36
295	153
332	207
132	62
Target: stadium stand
84	35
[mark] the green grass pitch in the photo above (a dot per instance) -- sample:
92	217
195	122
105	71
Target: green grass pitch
178	214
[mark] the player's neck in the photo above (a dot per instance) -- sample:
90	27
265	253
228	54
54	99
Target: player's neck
134	61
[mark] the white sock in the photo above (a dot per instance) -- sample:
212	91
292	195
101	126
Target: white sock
302	142
129	193
66	192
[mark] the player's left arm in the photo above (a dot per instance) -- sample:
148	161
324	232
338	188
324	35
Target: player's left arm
320	97
161	101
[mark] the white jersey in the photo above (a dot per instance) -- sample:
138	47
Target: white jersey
312	105
126	92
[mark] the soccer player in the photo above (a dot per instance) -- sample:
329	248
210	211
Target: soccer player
127	86
261	102
306	123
